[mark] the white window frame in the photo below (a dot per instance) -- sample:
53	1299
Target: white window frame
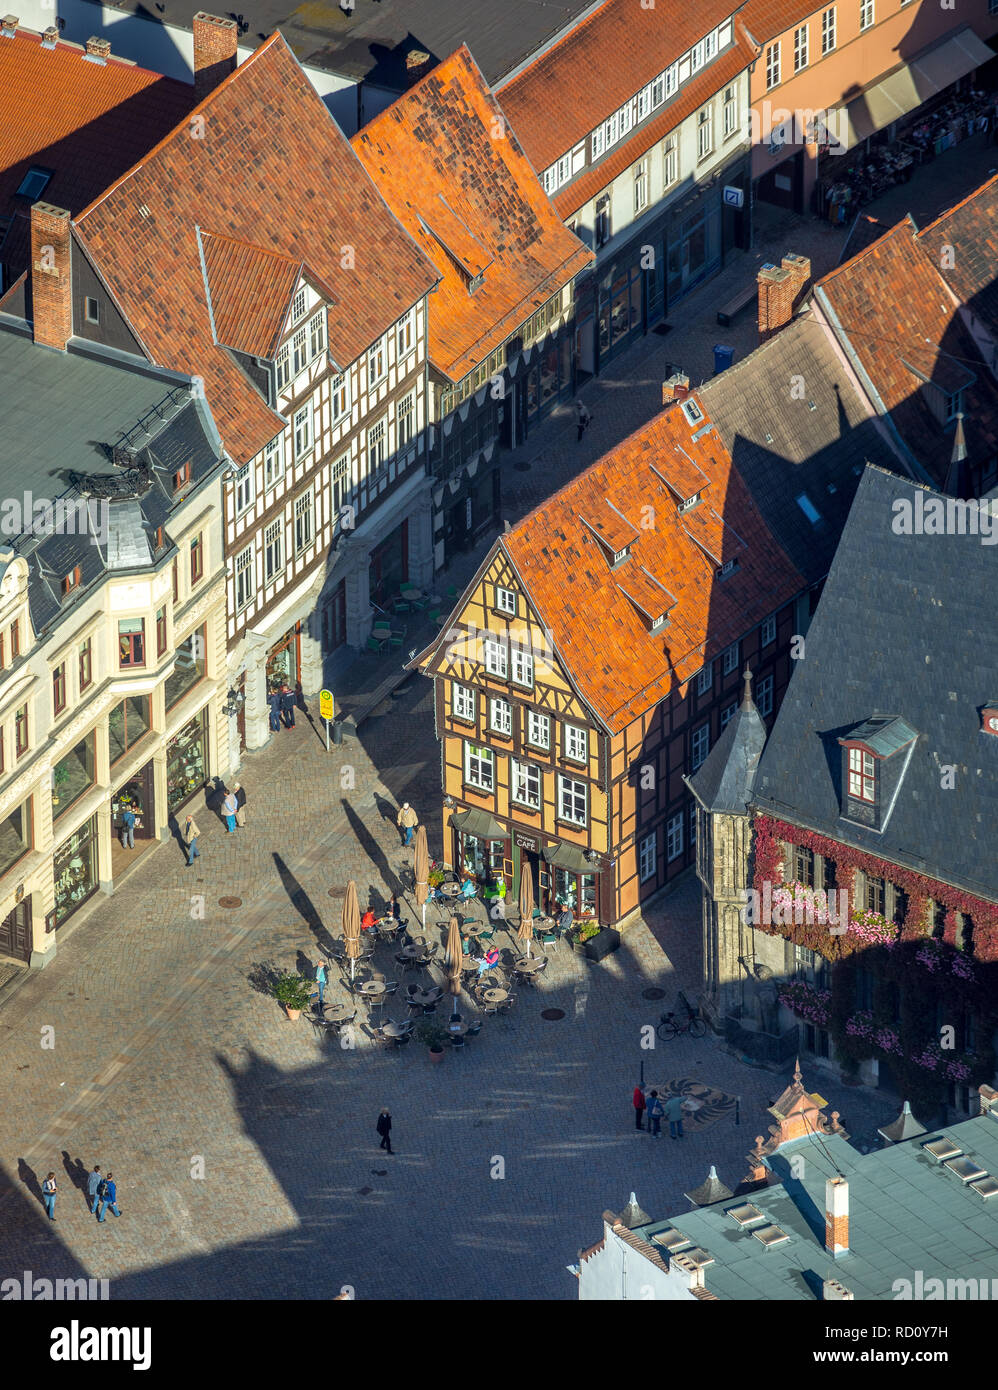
273	549
647	858
523	665
273	461
828	38
773	66
801	47
462	702
867	15
299	351
699	746
578	157
304	518
525	784
340	482
705	131
377	363
506	600
283	367
705	679
576	744
377	447
317	335
539	730
501	716
495	656
479	767
303	432
730	111
674	837
764	697
243	585
767	630
242	489
405	335
572	792
641	194
405	421
729	661
670	161
299	307
339	397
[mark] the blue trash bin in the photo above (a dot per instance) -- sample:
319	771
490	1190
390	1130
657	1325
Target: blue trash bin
723	357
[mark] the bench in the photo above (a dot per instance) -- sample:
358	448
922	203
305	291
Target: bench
736	304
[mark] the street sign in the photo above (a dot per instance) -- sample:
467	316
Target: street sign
325	704
734	197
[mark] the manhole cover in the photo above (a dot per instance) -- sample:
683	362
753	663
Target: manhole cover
337	892
552	1015
653	994
365	1192
230	902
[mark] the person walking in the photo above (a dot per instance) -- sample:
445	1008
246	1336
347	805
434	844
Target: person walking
108	1197
321	979
288	706
384	1128
49	1190
583	419
639	1107
94	1181
655	1112
240	792
674	1114
274	701
407	821
128	828
229	808
191	833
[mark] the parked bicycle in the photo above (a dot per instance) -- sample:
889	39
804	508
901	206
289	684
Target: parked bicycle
671	1027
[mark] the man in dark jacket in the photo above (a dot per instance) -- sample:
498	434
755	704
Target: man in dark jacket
274	701
288	706
385	1130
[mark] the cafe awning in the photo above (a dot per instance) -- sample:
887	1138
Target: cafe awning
478	823
926	75
568	857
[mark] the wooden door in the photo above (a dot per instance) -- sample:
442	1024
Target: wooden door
15	931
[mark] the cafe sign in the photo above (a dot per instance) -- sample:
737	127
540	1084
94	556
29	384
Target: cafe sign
527	842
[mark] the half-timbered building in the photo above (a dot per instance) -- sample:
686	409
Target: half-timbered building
251	247
501	325
593	660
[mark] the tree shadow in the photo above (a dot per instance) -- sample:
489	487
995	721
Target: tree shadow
263	976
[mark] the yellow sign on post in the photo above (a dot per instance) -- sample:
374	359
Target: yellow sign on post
325	704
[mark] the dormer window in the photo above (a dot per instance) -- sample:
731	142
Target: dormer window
71	581
658	623
954	405
619	556
182	476
727	568
862	775
475	283
689	503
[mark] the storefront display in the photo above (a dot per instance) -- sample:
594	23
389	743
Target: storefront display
575	891
483	858
187	762
135	796
283	661
74	870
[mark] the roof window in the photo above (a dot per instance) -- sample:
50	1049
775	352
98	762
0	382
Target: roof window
692	411
34	183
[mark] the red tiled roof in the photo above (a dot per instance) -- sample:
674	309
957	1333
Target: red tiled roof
474	205
273	170
690	97
894	307
87	122
592	71
566	571
766	19
971	229
249	291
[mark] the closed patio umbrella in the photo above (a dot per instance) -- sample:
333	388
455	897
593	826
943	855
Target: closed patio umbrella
453	956
526	930
421	869
351	924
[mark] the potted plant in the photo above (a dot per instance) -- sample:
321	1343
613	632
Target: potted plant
583	932
293	992
433	1036
435	877
60	776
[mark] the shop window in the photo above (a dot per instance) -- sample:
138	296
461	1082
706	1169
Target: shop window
59	688
74	870
128	723
74	774
131	642
86	664
187	762
15	836
189	667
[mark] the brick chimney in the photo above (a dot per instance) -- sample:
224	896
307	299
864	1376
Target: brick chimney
8	26
51	278
677	388
780	290
98	50
837	1217
417	63
215	55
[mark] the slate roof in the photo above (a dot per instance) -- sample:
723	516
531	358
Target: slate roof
971	229
567	572
87	122
820	453
906	1213
474	206
275	171
893	311
904	628
90	402
724	780
568	90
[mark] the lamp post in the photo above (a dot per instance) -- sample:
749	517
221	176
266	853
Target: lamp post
234	701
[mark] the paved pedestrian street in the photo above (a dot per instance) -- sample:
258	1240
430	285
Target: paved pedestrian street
244	1146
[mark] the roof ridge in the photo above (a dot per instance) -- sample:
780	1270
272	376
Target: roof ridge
253	246
956	206
853	260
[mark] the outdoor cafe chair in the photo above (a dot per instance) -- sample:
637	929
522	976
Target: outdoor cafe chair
474	1030
456	1040
376	644
507	1004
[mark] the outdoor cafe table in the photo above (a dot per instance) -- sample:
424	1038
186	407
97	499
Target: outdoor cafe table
473	930
336	1013
496	996
396	1030
457	1029
423	997
374	988
529	967
413	952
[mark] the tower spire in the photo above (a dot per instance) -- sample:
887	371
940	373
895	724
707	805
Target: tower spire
954	474
747	701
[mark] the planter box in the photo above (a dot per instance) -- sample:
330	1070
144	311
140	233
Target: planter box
602	944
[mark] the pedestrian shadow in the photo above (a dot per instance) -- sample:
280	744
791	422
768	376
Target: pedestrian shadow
76	1171
176	829
374	852
386	810
304	905
27	1175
